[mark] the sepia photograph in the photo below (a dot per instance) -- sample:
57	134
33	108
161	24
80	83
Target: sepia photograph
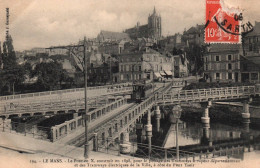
129	83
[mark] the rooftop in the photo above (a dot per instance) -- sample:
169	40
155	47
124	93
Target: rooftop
114	35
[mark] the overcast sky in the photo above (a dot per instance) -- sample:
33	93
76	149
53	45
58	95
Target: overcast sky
42	23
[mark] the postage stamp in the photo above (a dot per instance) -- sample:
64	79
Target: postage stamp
223	25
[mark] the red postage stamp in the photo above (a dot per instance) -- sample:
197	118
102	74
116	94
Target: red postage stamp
223	25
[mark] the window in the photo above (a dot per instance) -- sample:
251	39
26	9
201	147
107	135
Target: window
206	59
217	58
148	76
245	67
229	75
229	66
229	57
250	47
254	76
206	68
217	75
140	68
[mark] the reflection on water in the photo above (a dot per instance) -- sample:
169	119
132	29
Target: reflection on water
197	137
231	140
38	126
196	133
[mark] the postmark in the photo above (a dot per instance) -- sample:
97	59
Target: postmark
223	24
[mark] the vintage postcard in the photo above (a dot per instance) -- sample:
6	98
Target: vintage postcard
129	83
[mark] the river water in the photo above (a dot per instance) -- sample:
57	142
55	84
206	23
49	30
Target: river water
193	136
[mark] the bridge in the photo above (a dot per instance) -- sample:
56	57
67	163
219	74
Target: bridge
56	107
119	127
116	119
203	95
60	100
116	127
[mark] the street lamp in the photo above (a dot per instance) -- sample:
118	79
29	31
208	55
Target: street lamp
176	114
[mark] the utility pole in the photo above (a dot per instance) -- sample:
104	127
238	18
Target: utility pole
86	145
133	67
111	75
84	70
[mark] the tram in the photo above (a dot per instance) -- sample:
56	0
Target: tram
142	90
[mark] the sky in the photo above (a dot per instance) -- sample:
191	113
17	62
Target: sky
44	23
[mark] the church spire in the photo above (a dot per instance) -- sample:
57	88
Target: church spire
154	11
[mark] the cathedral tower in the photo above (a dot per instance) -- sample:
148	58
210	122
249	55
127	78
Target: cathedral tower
154	25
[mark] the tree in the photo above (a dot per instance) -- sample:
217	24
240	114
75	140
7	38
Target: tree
11	78
8	55
28	69
11	74
174	51
195	56
50	75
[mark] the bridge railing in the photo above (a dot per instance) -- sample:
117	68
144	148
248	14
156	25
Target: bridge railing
61	130
140	150
178	83
208	93
11	106
19	96
45	106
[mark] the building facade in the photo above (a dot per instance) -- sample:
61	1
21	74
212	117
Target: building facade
145	64
251	42
222	66
226	63
250	69
194	35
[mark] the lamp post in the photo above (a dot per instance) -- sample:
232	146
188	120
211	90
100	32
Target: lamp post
176	114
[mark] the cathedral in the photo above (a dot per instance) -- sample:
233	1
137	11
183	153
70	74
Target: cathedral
151	30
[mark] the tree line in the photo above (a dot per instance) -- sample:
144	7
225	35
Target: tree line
49	75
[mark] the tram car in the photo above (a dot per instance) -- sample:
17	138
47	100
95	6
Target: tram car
141	90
